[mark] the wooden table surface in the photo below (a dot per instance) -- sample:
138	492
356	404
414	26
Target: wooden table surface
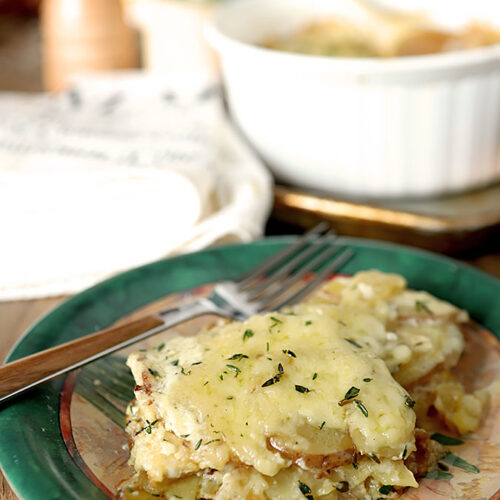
16	317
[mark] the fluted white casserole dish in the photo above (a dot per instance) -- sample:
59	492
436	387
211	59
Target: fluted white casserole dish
406	126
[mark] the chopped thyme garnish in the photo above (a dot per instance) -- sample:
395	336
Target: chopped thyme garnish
237	357
301	388
315	376
148	428
437	474
355	460
362	407
354	343
271	381
221	376
248	333
367	380
322	425
160	347
234	369
154	372
197	363
422	306
276	378
446	440
307	323
349	395
130	490
455	461
175	362
290	353
184	372
185	435
230	397
210	442
409	402
267	346
275	319
386	489
405	451
305	490
198	444
342	323
206	382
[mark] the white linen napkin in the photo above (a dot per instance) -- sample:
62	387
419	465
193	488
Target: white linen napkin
117	172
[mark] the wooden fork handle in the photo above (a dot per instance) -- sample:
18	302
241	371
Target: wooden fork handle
48	364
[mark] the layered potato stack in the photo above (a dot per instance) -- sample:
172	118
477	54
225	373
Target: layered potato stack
332	398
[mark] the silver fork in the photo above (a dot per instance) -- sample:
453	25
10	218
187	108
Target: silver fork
270	286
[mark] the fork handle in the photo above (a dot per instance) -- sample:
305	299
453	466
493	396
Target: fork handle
21	375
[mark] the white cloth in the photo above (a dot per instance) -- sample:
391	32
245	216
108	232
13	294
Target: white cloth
118	172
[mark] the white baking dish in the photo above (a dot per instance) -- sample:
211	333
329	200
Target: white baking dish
418	126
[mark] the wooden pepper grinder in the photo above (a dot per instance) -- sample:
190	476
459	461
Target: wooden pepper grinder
84	36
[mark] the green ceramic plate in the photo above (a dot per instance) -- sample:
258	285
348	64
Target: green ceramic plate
41	454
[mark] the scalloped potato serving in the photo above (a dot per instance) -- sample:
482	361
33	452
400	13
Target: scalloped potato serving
328	399
343	38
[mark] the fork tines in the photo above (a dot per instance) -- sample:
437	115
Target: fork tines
281	280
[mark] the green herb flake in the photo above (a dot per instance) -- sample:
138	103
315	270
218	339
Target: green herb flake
446	440
197	363
362	407
307	323
184	372
355	460
315	376
221	377
148	428
210	442
367	379
354	343
409	402
237	357
289	353
438	474
305	490
302	389
175	362
198	444
185	435
267	346
130	490
271	381
405	451
206	382
349	395
322	425
160	347
154	372
248	333
455	461
234	369
280	369
385	490
422	306
275	319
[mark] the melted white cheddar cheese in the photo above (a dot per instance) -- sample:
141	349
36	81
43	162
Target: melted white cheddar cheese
310	395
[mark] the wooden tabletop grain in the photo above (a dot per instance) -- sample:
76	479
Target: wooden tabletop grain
16	317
